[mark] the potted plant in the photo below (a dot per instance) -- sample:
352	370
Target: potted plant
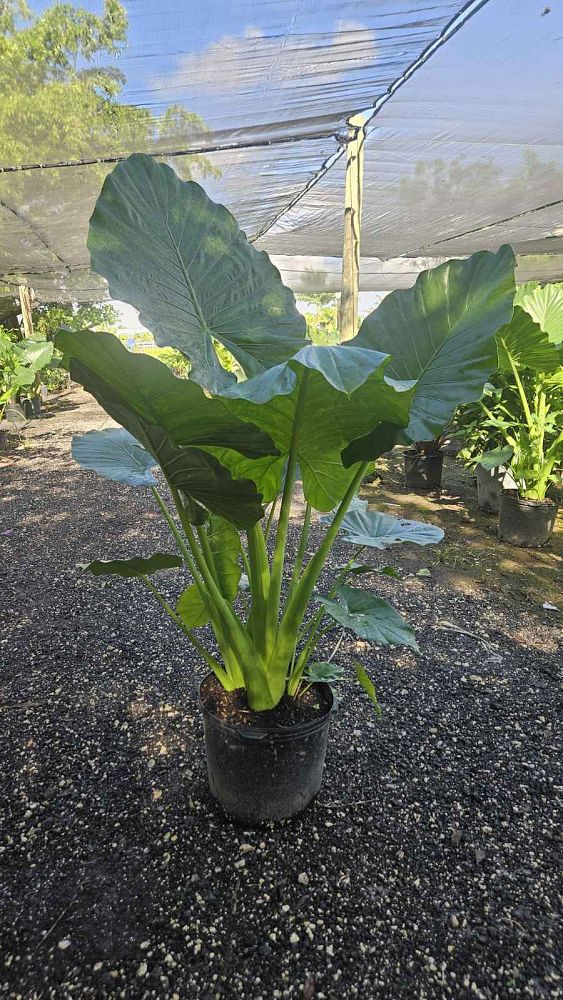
20	361
529	427
424	461
230	454
479	428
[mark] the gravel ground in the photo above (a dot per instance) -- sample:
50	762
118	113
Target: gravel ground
427	868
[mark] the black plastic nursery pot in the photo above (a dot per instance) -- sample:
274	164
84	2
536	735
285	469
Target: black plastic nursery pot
423	472
527	523
260	773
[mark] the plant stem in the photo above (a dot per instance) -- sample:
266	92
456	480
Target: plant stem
209	659
298	601
270	519
278	559
520	387
302	547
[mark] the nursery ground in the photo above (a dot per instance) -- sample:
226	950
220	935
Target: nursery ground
428	866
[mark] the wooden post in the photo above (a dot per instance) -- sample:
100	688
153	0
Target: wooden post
352	229
26	294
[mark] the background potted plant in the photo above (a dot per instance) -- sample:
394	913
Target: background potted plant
528	419
424	462
20	362
478	426
231	452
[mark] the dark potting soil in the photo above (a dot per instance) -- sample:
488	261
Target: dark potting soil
427	869
232	707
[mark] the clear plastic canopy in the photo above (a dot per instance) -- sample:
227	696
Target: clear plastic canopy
463	152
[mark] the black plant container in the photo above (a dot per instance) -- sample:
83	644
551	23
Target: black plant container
423	472
527	523
260	774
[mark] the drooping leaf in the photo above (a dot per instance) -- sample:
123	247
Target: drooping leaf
191	609
146	389
368	686
524	341
369	617
362	526
115	454
440	334
328	673
545	306
336	396
183	262
136	566
171	417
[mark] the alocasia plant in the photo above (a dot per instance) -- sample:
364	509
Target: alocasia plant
230	453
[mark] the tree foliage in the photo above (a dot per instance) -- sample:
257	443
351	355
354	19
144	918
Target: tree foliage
61	88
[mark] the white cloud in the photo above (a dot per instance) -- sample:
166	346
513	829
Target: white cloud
255	63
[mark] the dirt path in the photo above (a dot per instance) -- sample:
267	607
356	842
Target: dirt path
428	866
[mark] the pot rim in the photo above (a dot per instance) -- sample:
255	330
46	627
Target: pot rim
513	497
277	733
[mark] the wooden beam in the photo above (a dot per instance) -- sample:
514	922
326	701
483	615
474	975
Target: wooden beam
352	229
26	298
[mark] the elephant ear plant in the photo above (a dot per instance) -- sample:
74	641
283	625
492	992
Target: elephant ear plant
230	454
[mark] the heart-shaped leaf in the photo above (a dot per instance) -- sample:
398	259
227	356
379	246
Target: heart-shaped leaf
183	262
523	342
328	673
191	608
441	334
136	566
115	454
369	617
362	526
544	303
323	399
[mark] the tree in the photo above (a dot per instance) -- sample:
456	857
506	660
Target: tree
50	317
60	102
322	318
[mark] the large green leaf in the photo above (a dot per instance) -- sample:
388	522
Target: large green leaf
115	454
369	617
545	306
34	354
183	262
523	340
440	334
145	387
362	526
324	398
136	566
171	417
